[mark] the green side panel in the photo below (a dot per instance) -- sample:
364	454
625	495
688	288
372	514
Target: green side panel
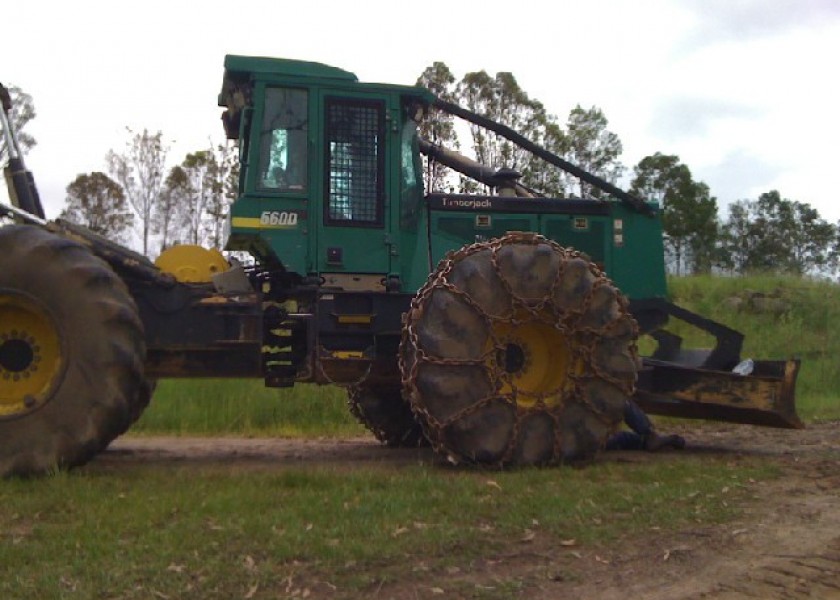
586	234
463	228
626	244
638	260
415	257
272	227
451	230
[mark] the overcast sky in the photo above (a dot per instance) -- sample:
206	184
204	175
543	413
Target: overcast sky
745	91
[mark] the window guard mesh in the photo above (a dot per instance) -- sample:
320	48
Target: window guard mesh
354	159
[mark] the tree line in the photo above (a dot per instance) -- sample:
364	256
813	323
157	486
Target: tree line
185	204
189	202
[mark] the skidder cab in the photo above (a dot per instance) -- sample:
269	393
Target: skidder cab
500	327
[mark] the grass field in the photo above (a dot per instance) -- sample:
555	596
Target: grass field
247	407
214	532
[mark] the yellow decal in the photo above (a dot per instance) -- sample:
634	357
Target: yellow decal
347	354
269	219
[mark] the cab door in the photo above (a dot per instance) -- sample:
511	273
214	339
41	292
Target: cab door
354	236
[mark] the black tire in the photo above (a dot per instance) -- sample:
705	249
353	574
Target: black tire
518	352
383	411
71	353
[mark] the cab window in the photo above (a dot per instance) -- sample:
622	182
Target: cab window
283	140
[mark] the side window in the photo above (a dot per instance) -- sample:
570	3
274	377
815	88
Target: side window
283	140
411	189
355	162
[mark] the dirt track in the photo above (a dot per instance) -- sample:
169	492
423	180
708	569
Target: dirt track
787	544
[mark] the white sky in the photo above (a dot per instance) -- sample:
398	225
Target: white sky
746	92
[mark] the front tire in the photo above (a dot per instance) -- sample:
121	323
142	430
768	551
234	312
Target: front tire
71	353
518	352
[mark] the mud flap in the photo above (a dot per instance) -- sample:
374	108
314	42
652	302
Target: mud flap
765	397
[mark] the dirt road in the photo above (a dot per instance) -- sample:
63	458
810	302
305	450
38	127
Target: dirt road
786	544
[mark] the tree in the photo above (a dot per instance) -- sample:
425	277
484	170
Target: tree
439	127
702	241
592	147
23	111
539	175
98	202
196	197
812	241
165	220
689	213
740	237
777	234
224	181
501	99
198	167
140	171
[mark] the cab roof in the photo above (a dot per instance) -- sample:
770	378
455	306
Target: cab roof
284	67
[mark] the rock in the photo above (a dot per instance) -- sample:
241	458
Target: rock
769	305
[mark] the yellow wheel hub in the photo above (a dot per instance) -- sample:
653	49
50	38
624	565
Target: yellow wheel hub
30	355
535	362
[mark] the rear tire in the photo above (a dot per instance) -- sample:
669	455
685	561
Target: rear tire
71	353
377	403
383	411
518	352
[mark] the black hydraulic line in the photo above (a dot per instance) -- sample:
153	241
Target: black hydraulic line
475	171
24	188
525	143
469	167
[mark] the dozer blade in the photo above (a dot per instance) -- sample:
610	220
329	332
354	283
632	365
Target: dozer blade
764	397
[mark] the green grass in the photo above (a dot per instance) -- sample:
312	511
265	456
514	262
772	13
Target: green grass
247	407
214	532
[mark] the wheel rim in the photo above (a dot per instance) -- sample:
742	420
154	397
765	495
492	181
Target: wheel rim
533	361
30	355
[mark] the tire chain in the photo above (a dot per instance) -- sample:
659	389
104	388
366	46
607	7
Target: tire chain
567	323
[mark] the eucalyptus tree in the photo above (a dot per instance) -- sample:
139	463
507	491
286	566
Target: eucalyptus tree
592	147
98	202
689	212
140	170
